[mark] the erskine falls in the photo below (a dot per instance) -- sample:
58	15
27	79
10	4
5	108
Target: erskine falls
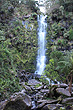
36	55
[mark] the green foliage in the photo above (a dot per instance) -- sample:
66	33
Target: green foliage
16	52
8	82
62	10
59	37
18	47
2	37
56	55
71	34
32	4
59	42
50	70
59	65
56	29
65	66
44	80
38	85
66	35
62	108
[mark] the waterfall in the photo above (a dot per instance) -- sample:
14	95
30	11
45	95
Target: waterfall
41	58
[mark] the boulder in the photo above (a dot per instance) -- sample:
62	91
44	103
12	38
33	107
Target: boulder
69	88
39	96
67	100
46	86
46	102
63	91
27	16
34	82
52	107
23	91
72	94
63	85
18	101
3	104
39	88
27	88
41	101
45	91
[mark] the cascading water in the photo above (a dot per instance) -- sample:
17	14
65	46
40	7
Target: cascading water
41	58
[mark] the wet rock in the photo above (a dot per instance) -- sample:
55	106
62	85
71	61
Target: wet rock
55	85
34	88
39	88
23	91
46	86
27	16
71	88
69	108
44	91
34	82
39	96
46	102
72	94
67	88
63	91
63	85
3	104
41	101
52	107
67	100
33	105
27	88
18	101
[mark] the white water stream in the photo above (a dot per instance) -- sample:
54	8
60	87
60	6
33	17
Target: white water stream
42	25
41	58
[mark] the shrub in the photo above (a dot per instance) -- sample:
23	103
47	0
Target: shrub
70	34
2	37
66	35
59	42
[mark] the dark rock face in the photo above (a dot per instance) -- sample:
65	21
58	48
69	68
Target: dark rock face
18	101
17	105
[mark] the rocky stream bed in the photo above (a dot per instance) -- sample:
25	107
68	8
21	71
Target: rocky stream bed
39	96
